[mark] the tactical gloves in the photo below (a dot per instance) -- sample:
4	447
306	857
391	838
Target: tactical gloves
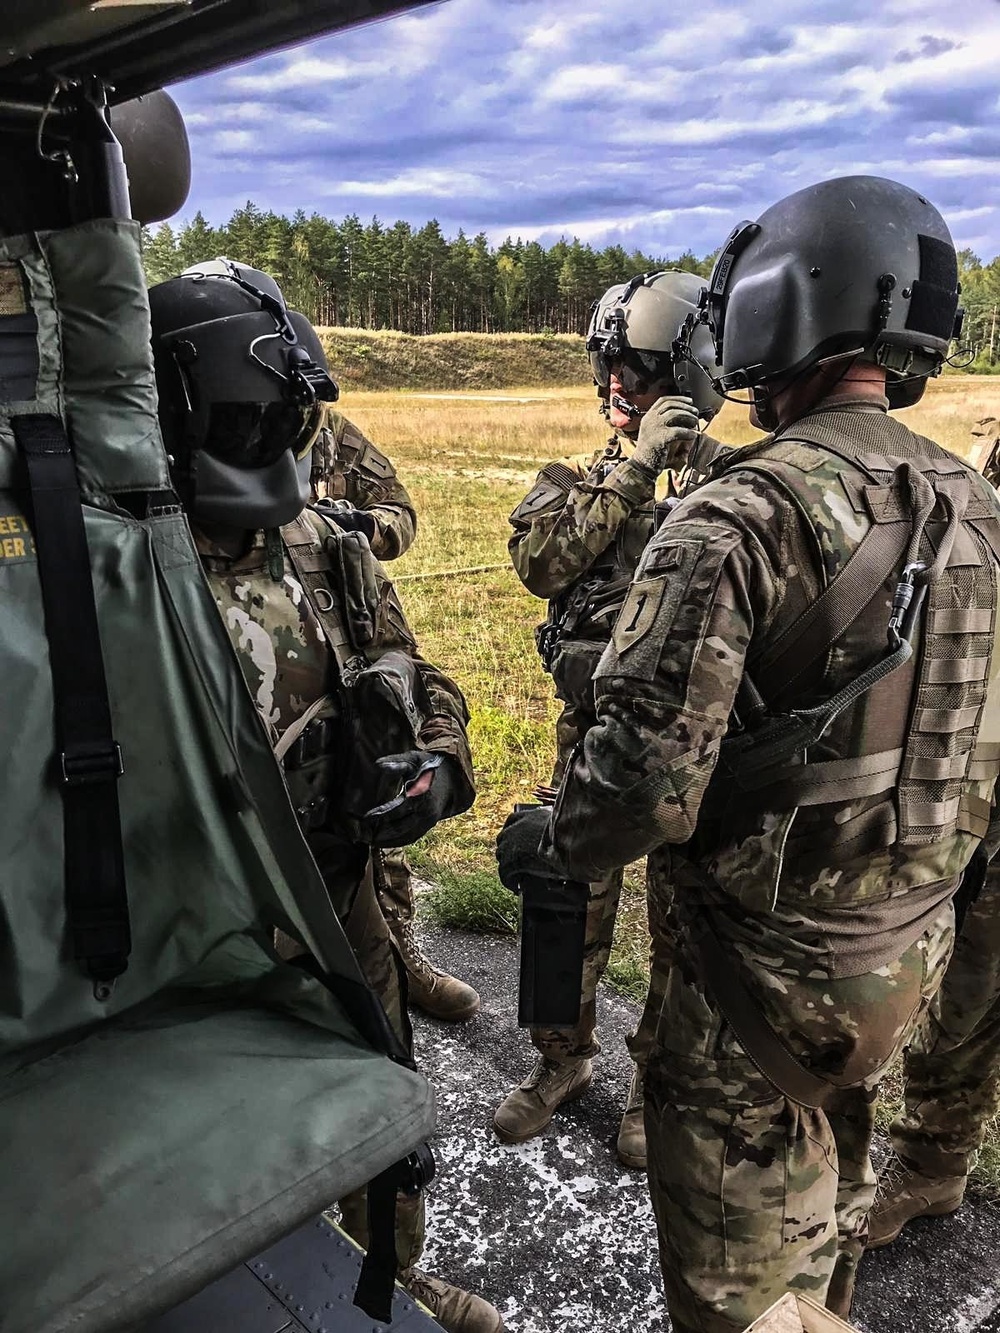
517	846
417	790
349	519
667	432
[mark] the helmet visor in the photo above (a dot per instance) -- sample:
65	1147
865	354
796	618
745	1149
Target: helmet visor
255	435
637	371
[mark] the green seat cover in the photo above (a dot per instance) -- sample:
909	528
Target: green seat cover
220	1096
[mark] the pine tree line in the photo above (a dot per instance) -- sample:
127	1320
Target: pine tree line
406	278
417	281
981	300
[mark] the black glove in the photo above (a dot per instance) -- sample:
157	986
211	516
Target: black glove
399	818
354	520
517	846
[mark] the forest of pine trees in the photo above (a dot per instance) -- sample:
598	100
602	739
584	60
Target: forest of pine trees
406	278
417	281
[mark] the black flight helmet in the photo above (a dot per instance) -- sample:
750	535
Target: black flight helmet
637	324
858	268
238	376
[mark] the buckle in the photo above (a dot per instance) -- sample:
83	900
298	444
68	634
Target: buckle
418	1170
85	765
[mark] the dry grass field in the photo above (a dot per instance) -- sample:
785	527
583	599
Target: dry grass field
467	460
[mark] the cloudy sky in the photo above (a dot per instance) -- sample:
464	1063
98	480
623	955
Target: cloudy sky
649	123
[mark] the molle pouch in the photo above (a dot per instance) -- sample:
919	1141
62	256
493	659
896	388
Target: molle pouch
389	705
362	602
553	929
574	662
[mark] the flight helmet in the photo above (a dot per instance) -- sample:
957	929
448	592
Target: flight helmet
637	325
238	376
858	268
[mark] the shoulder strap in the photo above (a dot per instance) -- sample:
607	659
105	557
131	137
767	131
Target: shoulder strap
89	761
768	1052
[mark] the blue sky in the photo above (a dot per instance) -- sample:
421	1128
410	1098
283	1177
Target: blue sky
652	124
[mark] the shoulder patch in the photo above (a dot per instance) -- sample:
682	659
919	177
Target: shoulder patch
545	494
649	612
374	462
638	614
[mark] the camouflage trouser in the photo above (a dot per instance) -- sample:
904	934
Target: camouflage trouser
564	1044
394	884
368	935
754	1194
952	1065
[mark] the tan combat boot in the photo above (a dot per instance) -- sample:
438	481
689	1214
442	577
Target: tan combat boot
903	1195
526	1111
456	1310
435	992
632	1132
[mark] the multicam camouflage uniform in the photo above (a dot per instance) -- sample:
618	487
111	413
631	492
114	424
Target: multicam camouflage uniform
578	535
840	931
347	466
952	1065
289	664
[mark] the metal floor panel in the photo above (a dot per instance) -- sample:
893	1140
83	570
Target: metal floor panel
303	1284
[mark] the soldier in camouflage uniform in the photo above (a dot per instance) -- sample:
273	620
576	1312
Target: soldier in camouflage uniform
363	494
316	626
578	535
761	704
952	1066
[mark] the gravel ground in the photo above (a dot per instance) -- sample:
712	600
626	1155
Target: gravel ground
561	1237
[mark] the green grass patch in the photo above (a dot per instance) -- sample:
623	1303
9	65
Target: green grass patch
382	359
465	899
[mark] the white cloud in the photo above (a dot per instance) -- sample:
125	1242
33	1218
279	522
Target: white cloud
569	116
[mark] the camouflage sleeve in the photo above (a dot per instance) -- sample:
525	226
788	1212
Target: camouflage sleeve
353	469
566	520
664	688
445	731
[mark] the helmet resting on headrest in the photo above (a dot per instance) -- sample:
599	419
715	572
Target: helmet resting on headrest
238	376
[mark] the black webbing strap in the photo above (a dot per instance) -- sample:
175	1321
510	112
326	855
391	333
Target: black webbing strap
377	1279
88	760
766	1050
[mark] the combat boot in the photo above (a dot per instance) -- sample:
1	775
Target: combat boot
435	992
904	1194
526	1111
632	1131
455	1310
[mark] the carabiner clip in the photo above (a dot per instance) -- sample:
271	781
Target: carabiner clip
906	603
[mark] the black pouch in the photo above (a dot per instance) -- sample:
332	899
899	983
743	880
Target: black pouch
553	932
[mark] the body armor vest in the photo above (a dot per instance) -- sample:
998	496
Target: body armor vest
913	737
580	620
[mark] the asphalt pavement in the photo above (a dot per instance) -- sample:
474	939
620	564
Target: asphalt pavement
561	1237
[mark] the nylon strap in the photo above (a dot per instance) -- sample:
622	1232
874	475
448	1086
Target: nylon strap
766	1050
89	760
373	1293
829	780
876	557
